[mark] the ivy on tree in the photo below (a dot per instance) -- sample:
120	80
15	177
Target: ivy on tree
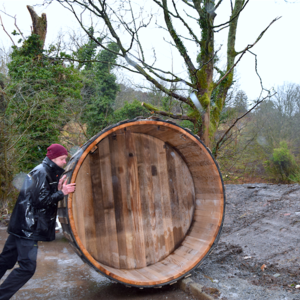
42	88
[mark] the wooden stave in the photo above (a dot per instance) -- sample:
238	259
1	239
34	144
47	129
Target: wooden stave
63	209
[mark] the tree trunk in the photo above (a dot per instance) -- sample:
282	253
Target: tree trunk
206	121
39	24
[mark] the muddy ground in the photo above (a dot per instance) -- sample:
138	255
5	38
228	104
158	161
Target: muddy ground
261	231
61	275
261	228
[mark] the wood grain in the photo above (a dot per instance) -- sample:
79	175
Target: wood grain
134	203
98	206
135	210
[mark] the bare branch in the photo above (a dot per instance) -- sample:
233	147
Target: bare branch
6	31
244	51
181	36
222	28
233	66
175	36
260	80
185	24
189	4
260	36
18	28
14	17
127	28
195	19
167	114
235	16
136	30
97	61
152	70
92	37
217	5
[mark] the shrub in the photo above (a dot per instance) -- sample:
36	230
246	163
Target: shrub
282	166
130	111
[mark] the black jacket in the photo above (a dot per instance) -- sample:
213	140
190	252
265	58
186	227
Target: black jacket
34	214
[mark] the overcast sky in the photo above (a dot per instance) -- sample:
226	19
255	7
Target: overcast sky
278	51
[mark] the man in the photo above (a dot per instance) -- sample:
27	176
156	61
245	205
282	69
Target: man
33	219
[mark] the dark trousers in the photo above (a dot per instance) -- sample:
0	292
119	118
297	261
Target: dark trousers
25	252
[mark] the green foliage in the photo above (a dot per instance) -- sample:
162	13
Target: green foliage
86	53
167	103
31	48
43	90
131	111
282	166
248	150
100	87
295	177
187	124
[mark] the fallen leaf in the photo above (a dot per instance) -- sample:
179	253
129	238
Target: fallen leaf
263	267
208	277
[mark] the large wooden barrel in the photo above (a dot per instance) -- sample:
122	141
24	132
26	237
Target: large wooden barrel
149	202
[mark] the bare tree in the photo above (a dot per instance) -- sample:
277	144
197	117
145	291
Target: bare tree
206	85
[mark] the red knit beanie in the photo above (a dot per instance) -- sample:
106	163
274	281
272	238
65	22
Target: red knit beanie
56	150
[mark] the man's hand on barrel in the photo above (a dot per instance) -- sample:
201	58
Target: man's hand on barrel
68	188
60	183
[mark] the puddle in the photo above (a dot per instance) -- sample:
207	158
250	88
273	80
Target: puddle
61	274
